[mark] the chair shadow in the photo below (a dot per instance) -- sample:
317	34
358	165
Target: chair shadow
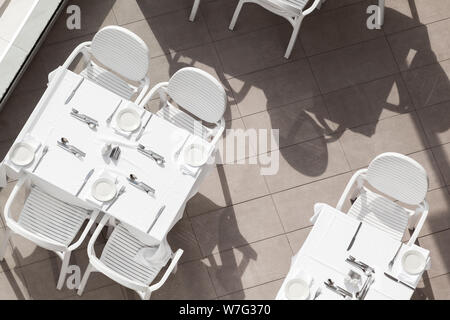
310	121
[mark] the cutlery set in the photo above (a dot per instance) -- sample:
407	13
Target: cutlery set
64	144
133	180
92	123
337	289
152	155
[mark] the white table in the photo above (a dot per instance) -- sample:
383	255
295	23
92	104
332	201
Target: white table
323	255
51	120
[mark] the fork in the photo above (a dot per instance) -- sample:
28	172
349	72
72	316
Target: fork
391	263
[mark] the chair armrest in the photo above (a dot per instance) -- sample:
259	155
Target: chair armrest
80	240
423	209
152	92
349	186
12	197
145	86
79	49
169	270
312	7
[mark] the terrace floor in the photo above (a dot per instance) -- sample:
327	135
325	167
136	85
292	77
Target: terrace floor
346	95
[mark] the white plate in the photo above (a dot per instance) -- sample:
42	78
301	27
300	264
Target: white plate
128	119
413	262
297	289
22	154
195	155
104	189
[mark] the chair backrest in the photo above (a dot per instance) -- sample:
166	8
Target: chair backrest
199	93
122	51
399	177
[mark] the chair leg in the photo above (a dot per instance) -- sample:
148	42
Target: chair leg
4	244
63	272
236	14
194	10
294	35
83	282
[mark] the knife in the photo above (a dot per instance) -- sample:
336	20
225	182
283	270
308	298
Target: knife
157	216
73	91
108	121
143	127
354	237
85	181
399	281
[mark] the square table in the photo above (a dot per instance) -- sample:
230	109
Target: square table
51	120
323	255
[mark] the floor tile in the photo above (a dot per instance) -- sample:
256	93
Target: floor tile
182	236
295	206
9	261
436	123
369	102
352	65
256	50
191	282
307	162
429	13
297	238
429	85
336	29
248	266
422	45
128	11
438	244
442	154
237	225
274	87
218	16
266	291
441	287
113	292
94	16
364	143
400	15
12	286
16	112
171	32
438	218
296	122
226	185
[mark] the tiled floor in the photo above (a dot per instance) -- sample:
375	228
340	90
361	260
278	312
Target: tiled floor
346	95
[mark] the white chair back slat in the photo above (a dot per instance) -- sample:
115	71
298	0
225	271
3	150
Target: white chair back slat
121	51
199	93
399	177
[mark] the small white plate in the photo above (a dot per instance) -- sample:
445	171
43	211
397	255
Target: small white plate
413	262
22	154
195	155
128	119
297	289
104	189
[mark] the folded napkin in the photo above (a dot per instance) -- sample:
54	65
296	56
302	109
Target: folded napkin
398	271
35	145
156	256
115	125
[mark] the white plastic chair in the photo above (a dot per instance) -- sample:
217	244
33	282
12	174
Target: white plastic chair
115	57
118	262
49	218
198	93
194	10
292	10
398	177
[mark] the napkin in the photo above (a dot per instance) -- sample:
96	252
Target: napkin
398	271
154	256
34	143
115	126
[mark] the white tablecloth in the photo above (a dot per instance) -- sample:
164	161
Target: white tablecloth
323	255
51	120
